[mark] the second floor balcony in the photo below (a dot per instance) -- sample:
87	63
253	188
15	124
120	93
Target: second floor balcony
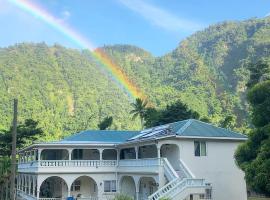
69	160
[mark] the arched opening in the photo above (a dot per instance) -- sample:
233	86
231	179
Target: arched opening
84	187
128	186
109	154
172	153
54	154
128	153
53	187
85	154
147	187
148	151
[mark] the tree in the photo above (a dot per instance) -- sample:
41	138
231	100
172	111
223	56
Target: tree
139	109
106	123
176	111
260	71
228	122
26	134
254	155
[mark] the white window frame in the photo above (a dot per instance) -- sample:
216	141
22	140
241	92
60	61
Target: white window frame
200	145
111	183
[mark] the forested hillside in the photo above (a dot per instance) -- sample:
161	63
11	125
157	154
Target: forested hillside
66	91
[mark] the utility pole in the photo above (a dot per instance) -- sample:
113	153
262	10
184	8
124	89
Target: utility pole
13	154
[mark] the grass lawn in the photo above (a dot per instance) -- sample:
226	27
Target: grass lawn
254	198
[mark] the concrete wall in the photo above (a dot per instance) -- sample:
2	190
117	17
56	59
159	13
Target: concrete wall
128	186
218	167
88	187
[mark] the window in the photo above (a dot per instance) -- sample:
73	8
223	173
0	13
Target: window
199	148
208	193
202	196
76	186
110	186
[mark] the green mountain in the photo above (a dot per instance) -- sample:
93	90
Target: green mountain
66	90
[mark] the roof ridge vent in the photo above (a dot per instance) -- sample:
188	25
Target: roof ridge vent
183	128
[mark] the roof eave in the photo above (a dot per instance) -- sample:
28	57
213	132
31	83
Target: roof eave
211	138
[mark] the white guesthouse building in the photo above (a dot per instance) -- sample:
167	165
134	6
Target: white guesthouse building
186	160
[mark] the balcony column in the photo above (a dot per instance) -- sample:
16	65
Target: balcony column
35	155
137	152
70	154
39	154
118	156
158	152
100	153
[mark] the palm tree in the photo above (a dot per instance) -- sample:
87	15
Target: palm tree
139	109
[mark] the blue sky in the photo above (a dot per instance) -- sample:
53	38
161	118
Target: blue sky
155	25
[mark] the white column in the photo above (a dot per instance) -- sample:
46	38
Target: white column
137	152
39	154
158	151
137	186
100	153
35	155
118	156
69	153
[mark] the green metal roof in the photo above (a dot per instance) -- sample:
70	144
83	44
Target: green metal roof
101	136
187	128
197	128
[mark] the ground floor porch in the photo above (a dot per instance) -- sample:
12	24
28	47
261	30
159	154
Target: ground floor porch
85	186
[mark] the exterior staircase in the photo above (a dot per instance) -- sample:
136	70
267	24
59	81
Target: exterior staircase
181	183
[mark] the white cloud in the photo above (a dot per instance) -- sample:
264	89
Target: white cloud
160	17
267	15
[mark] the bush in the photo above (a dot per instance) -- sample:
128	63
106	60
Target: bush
122	197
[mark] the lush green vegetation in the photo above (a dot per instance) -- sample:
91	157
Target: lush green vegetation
67	91
123	197
254	155
27	133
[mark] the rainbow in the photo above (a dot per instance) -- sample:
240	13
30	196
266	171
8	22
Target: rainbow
111	67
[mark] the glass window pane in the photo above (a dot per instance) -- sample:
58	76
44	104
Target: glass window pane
113	186
203	149
197	148
107	186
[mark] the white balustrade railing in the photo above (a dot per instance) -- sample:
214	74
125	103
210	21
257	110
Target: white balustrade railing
169	172
176	186
24	195
140	162
184	172
77	163
52	198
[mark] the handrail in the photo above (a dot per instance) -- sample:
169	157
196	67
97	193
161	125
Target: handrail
184	170
77	163
176	186
170	173
139	162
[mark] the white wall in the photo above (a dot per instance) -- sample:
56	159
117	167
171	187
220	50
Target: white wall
88	187
218	168
128	186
